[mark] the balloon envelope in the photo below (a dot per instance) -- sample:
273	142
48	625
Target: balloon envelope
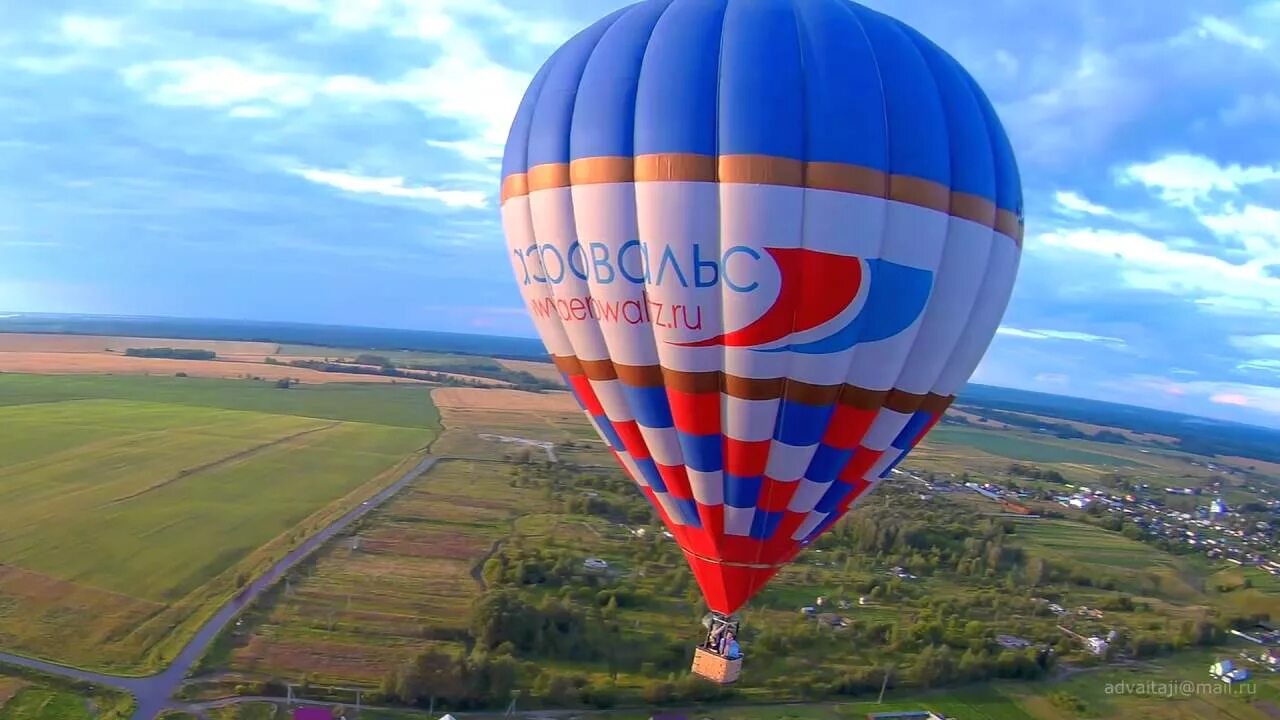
766	242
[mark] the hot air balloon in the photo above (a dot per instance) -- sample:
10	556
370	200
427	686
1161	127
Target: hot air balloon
766	242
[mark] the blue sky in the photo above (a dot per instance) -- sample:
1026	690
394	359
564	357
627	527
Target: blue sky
336	161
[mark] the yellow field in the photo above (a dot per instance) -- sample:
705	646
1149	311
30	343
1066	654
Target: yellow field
102	363
37	342
498	399
543	370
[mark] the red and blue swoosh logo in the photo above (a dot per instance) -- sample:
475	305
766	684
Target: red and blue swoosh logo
816	288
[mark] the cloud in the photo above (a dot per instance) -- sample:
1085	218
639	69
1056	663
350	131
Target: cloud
218	82
1262	398
1231	399
1058	335
1079	111
1257	344
1256	228
1265	365
393	187
1223	31
1075	203
89	31
464	84
1145	263
1183	179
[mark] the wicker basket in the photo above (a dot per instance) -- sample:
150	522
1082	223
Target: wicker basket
716	668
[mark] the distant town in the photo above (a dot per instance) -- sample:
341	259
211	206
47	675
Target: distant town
1213	527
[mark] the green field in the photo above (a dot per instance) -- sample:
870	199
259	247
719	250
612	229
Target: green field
130	506
25	695
1065	539
397	356
1016	447
394	405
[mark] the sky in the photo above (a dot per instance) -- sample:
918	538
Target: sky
336	161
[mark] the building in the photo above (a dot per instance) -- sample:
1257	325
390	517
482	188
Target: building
1097	646
1227	672
1012	642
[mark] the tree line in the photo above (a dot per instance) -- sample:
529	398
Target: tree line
171	353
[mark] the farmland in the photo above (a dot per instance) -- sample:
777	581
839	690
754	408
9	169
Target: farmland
133	505
1015	447
1065	539
469	413
32	696
400	582
519	528
146	501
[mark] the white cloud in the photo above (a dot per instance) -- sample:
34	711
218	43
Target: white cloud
1263	398
1148	264
252	112
464	83
1077	112
218	82
1255	227
1076	203
1040	334
394	187
89	31
1223	31
1257	344
1261	364
1184	180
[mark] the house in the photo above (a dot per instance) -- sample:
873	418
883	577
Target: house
1227	672
1012	642
832	620
1097	646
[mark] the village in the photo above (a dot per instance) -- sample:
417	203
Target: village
1214	528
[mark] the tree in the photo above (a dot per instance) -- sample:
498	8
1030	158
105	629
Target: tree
1034	571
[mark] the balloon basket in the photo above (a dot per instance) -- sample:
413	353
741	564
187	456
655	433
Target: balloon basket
715	667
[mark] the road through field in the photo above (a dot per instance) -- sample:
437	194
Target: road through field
155	693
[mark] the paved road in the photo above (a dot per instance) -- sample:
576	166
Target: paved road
155	693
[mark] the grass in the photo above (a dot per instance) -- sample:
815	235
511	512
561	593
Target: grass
1067	540
125	521
464	427
358	613
26	695
248	711
1105	694
395	405
46	704
397	356
1015	447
